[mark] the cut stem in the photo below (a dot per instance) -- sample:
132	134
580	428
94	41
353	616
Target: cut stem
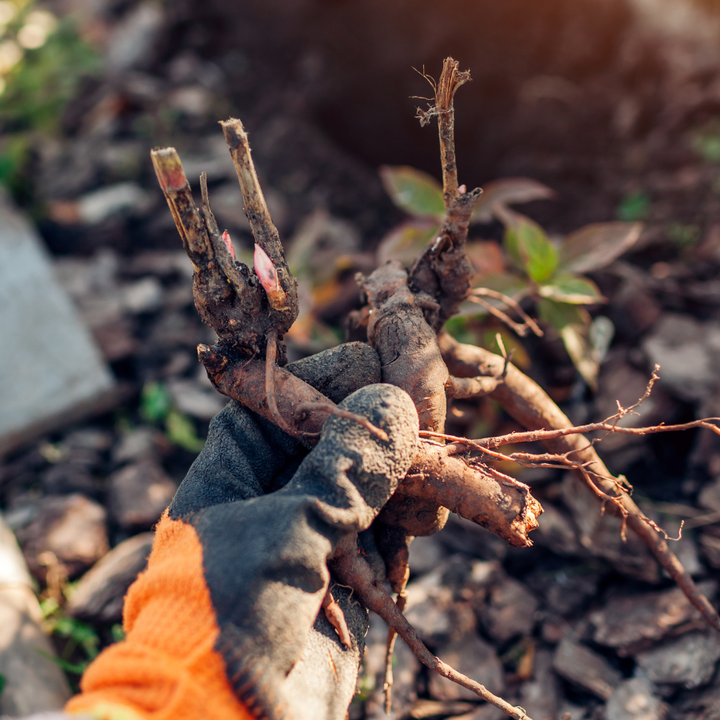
450	81
189	222
258	214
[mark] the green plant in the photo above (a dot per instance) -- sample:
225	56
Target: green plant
705	141
550	273
634	206
42	63
156	408
81	638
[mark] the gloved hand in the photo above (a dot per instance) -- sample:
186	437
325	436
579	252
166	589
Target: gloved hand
224	622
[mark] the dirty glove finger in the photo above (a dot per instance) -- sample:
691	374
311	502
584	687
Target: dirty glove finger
265	560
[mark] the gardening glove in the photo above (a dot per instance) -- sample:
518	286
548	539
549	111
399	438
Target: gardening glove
224	622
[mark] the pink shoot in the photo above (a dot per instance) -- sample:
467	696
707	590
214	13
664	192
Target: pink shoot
229	244
265	270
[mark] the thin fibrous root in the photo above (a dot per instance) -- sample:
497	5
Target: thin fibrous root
520	328
307	407
352	569
525	401
389	650
270	356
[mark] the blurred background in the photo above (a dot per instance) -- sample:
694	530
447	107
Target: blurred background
614	105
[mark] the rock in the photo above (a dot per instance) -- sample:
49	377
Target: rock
621	383
428	605
556	532
541	695
687	352
473	657
116	339
405	671
99	205
709	496
191	99
508	611
570	711
145	295
135	39
99	594
432	709
583	667
601	534
75	461
33	682
466	537
688	660
194	400
627	622
57	374
426	554
134	445
711	549
699	704
66	478
71	528
634	308
139	493
633	700
426	709
567	590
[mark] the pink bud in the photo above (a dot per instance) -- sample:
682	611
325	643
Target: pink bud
462	190
229	244
265	270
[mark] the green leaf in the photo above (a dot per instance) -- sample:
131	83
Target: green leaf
571	289
529	246
74	668
155	402
706	142
508	191
683	236
117	632
80	632
413	191
511	284
407	241
46	78
3	682
181	431
595	246
48	606
635	206
573	325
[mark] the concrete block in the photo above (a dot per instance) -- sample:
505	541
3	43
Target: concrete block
51	372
